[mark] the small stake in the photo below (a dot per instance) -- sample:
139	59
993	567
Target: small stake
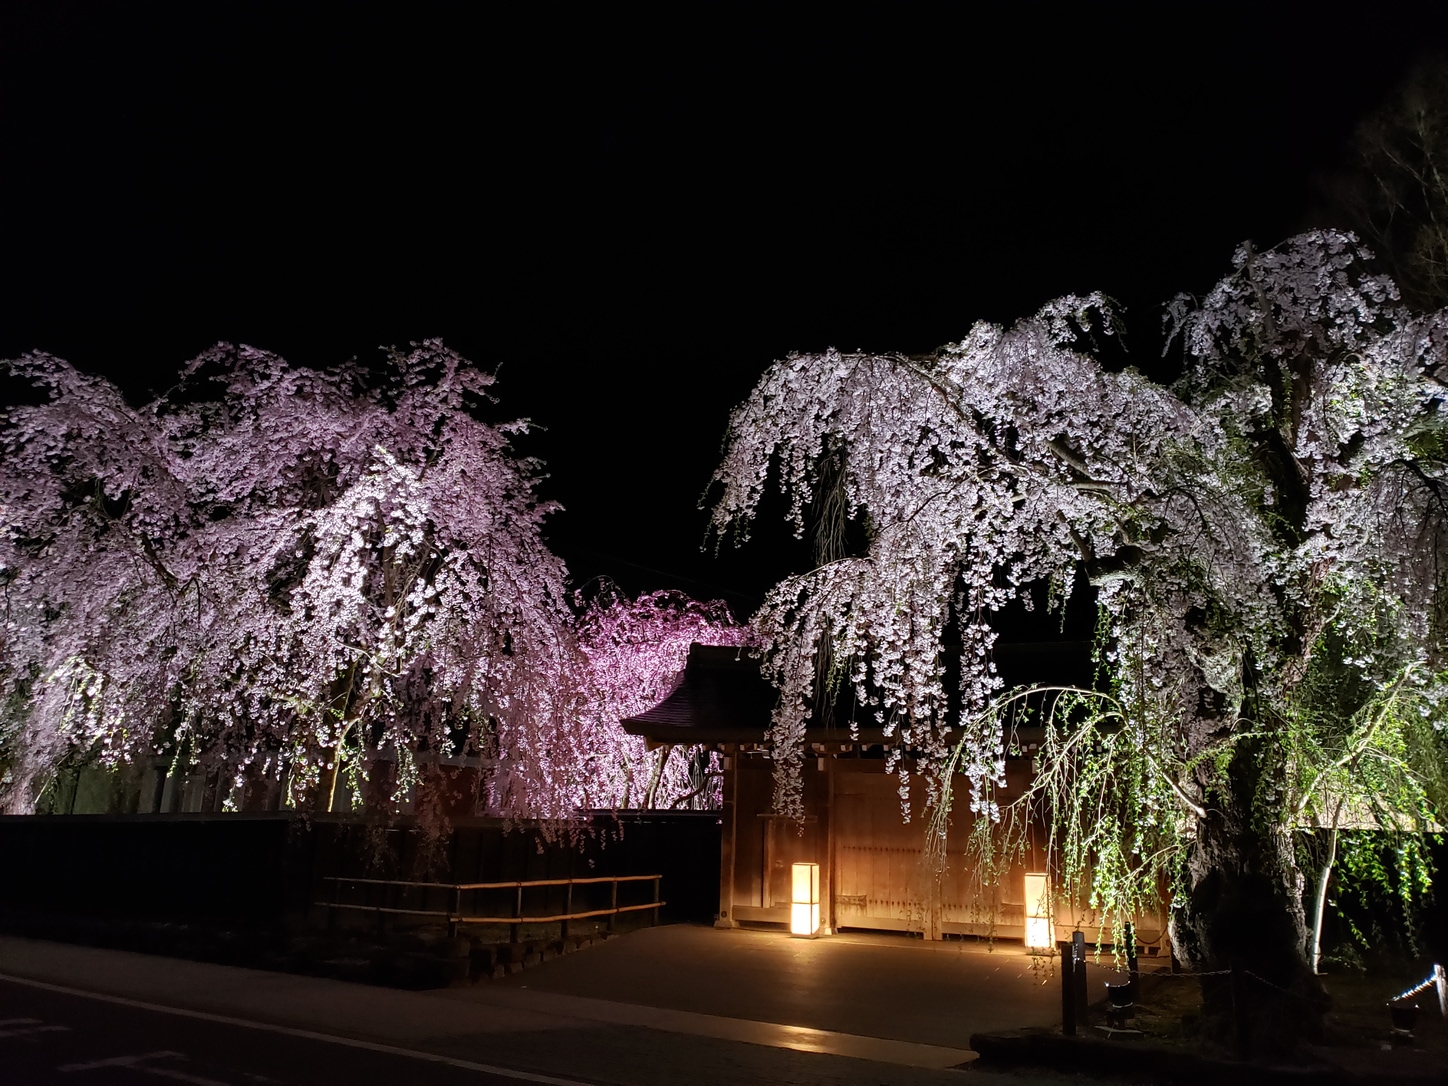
1068	991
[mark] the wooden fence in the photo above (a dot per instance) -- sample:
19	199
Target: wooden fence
394	893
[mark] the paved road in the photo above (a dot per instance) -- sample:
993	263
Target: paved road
50	1038
85	1015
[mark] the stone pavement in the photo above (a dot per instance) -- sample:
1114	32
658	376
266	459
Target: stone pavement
884	986
659	1006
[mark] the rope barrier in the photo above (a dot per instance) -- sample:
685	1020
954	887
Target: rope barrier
1429	982
1432	980
1245	972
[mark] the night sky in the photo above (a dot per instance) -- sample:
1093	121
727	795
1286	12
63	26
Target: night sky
629	214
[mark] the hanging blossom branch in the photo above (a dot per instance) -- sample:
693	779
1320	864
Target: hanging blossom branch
634	652
272	567
1273	519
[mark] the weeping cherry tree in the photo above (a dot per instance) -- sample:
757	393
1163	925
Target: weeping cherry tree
1266	543
275	567
634	652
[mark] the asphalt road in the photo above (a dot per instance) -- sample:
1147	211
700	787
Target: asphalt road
50	1038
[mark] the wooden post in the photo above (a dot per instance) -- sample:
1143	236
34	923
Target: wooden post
1239	1010
1068	990
567	908
516	928
457	908
655	910
1078	969
1133	972
728	832
827	876
613	904
386	893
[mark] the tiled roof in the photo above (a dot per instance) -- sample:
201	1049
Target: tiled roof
722	698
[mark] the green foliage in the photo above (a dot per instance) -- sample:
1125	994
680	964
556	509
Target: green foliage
1365	755
1383	884
1107	791
1111	815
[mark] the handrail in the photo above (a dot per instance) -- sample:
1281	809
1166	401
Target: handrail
456	916
521	884
553	882
495	919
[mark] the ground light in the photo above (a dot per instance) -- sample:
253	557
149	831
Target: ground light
1038	913
804	907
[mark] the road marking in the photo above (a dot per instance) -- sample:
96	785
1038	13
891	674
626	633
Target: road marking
182	1076
119	1061
24	1027
304	1034
28	1030
138	1063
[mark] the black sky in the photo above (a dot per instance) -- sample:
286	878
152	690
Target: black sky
631	213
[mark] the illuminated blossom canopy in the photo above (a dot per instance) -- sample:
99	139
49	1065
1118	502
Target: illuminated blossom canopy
268	564
634	653
340	574
1265	536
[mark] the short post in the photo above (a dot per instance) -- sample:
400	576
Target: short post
656	901
1239	1009
515	930
1133	972
1078	954
1068	990
457	908
613	904
567	909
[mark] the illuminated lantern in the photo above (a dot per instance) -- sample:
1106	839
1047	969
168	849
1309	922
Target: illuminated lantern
1038	914
804	907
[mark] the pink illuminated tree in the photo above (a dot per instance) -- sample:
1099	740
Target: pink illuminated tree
270	567
339	576
1266	540
634	653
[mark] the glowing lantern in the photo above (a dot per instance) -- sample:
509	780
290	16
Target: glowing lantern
1038	914
804	907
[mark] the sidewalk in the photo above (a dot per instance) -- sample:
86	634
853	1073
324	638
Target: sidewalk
881	986
660	1005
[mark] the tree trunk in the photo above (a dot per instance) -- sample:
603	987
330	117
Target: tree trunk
1320	903
1244	904
328	789
651	795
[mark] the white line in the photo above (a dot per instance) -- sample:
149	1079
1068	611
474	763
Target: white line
19	1022
182	1076
138	1063
121	1061
305	1034
26	1031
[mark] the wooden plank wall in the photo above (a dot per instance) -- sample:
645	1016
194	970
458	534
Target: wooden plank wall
873	875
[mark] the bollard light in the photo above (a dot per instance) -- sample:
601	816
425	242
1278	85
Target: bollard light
1039	929
804	907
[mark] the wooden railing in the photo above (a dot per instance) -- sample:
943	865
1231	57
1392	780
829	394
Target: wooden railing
455	915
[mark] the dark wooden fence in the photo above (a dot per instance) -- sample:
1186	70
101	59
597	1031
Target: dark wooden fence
107	877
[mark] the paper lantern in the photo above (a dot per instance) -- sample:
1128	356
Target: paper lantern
1039	929
804	907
